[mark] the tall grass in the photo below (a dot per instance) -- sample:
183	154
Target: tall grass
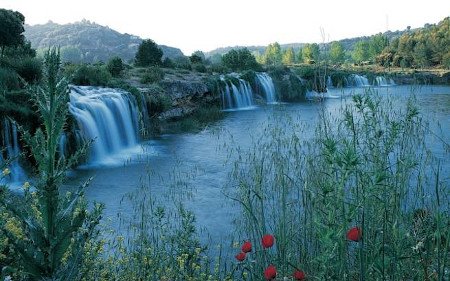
367	166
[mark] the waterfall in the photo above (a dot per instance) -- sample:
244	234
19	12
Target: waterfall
329	83
237	96
358	81
107	116
269	89
381	81
12	149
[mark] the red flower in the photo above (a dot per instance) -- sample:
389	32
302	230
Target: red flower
246	247
270	272
267	241
240	256
299	275
354	234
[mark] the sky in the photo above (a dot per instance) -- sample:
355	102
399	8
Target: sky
208	24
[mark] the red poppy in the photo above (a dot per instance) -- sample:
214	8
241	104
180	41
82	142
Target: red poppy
299	275
240	256
270	272
246	247
267	241
354	234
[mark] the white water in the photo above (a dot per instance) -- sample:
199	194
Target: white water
12	149
358	81
237	96
269	89
329	83
381	81
110	118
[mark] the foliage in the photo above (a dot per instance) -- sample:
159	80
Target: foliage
310	53
197	57
273	55
11	29
199	67
337	53
30	69
91	75
358	201
182	62
152	75
148	54
361	52
115	66
288	56
48	231
239	60
9	79
427	46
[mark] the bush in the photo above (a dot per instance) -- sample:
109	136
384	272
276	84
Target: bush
158	102
30	69
115	66
148	54
152	75
199	67
182	62
9	79
91	75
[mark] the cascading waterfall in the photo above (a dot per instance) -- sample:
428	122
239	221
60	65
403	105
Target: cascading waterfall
12	149
358	81
237	96
269	89
107	116
381	81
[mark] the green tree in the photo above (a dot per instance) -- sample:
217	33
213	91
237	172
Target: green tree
273	54
11	29
197	57
48	231
115	66
337	53
288	56
421	55
361	52
238	60
148	54
300	55
310	53
376	45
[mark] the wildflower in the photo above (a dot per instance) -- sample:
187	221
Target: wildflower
299	275
240	256
26	185
6	172
247	247
270	273
354	234
267	241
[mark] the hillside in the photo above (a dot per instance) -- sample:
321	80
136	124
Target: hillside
347	43
86	41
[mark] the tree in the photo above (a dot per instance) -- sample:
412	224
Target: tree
273	54
376	45
115	66
310	53
361	52
197	57
288	56
11	29
148	54
300	55
337	54
238	60
44	227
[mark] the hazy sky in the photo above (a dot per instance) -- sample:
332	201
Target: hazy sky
207	24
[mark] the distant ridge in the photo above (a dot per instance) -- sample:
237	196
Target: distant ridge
87	41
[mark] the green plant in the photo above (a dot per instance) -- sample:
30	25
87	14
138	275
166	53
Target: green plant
152	75
91	75
148	54
48	231
115	66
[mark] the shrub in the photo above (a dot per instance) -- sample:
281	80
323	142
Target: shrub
9	79
91	75
148	54
115	66
152	75
30	69
199	67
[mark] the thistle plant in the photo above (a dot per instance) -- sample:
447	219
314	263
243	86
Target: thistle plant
46	229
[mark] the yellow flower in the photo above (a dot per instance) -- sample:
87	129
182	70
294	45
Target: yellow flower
26	185
6	172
